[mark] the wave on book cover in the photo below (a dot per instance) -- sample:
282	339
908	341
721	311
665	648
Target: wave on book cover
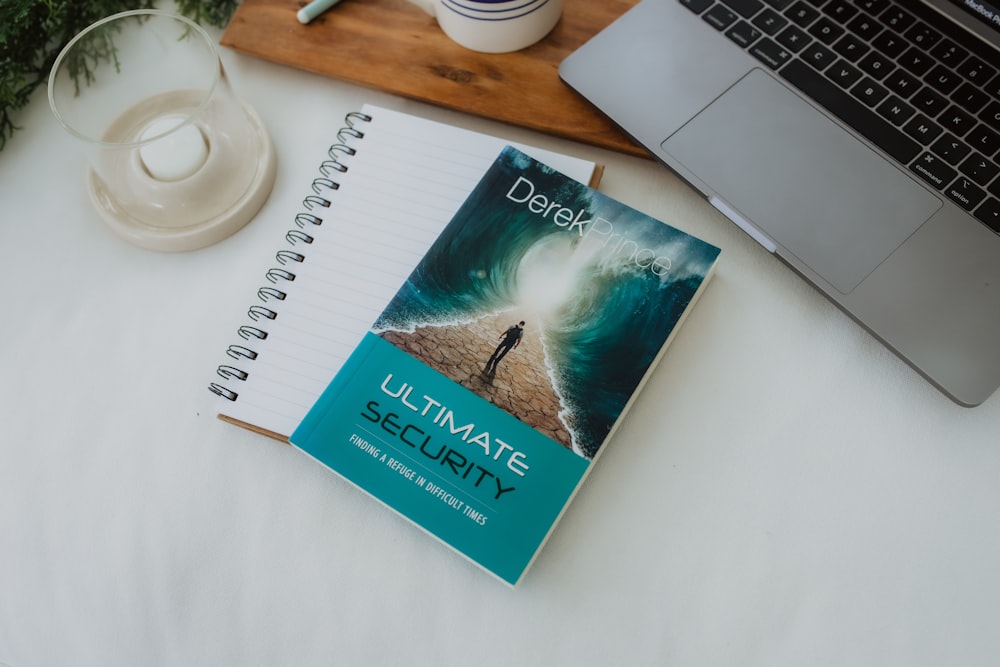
602	315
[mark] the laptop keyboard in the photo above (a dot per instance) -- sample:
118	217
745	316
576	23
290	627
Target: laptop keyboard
882	69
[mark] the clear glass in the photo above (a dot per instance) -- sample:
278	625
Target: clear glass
175	159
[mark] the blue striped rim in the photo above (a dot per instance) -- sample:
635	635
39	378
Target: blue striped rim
476	13
490	2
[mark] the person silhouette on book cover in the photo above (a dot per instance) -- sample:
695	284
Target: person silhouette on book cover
510	339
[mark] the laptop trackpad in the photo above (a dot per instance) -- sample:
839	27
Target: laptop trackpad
824	196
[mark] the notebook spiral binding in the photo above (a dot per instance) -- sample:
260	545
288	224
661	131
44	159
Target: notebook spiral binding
270	296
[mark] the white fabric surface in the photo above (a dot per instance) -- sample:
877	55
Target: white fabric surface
785	492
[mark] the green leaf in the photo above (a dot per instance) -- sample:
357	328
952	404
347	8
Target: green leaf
33	32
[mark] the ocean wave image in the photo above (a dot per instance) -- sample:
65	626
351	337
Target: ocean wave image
599	286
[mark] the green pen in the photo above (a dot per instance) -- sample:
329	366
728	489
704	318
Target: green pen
314	9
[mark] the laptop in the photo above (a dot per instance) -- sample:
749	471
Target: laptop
856	140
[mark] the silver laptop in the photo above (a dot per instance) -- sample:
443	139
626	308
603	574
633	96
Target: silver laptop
854	139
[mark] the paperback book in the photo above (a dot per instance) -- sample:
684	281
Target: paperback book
482	395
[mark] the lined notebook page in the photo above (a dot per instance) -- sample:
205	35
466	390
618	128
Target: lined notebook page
405	182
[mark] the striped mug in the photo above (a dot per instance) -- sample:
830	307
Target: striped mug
494	26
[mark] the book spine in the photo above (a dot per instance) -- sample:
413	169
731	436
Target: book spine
267	307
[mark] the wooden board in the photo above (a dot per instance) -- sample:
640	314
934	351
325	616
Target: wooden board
393	46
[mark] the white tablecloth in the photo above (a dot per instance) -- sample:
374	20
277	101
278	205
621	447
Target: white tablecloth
785	491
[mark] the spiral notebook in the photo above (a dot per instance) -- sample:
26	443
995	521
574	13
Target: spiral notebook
385	187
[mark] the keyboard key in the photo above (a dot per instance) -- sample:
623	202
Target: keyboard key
826	30
923	35
915	61
966	194
876	65
851	48
770	21
745	8
770	53
993	87
976	71
818	56
902	83
928	102
780	5
979	169
793	38
970	98
989	214
956	121
802	14
869	92
950	149
889	43
843	74
897	19
942	79
864	27
991	115
697	6
923	129
719	17
865	121
743	34
895	110
873	7
933	170
994	188
948	53
983	139
840	11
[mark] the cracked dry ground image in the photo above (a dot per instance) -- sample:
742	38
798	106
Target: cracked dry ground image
520	386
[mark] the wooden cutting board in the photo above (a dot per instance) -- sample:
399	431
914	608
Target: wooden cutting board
393	46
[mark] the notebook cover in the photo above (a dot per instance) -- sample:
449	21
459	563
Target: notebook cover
394	184
486	456
393	46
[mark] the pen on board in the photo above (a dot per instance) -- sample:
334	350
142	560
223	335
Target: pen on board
314	9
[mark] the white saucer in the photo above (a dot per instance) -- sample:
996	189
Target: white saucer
200	235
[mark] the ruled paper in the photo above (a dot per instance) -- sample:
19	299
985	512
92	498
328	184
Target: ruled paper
405	182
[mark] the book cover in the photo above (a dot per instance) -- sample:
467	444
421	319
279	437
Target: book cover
381	195
480	398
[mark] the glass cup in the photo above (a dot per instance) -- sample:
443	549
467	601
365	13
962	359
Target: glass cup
175	161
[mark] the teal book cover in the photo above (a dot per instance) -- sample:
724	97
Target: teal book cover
481	397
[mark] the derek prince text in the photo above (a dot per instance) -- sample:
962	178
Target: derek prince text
597	230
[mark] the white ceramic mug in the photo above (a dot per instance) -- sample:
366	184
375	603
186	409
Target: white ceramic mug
494	26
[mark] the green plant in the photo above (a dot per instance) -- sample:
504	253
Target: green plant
33	32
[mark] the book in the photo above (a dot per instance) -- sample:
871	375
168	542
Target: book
483	393
386	184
